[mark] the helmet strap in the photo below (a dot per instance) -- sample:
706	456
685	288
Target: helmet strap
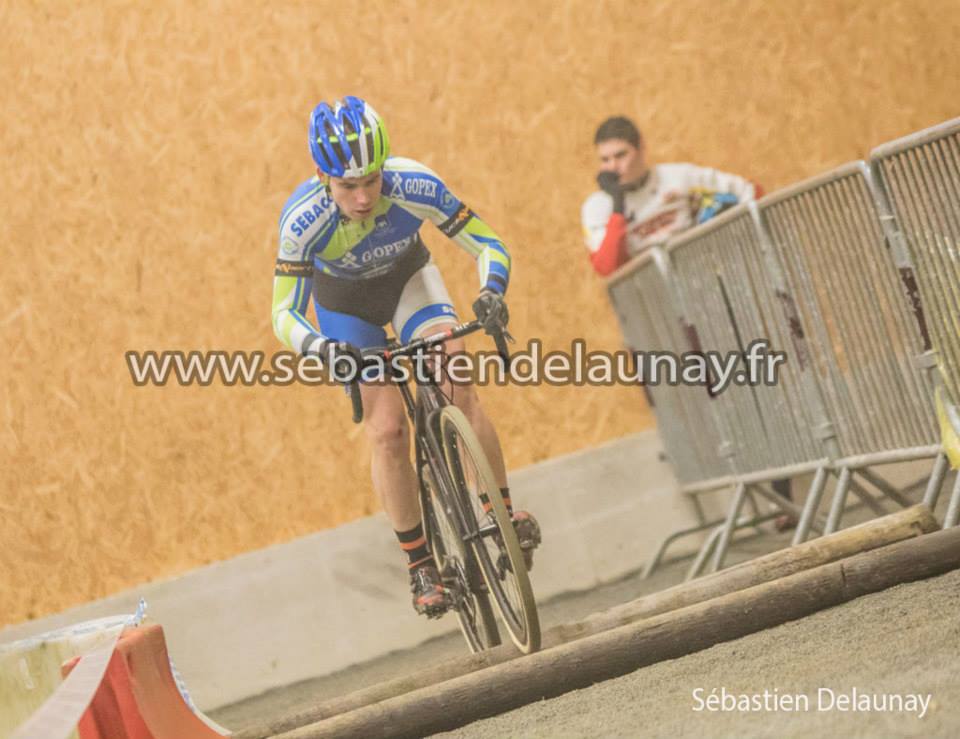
324	178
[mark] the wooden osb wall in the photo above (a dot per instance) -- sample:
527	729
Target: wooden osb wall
148	149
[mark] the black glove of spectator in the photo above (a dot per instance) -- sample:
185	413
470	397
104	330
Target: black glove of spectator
335	354
610	183
491	310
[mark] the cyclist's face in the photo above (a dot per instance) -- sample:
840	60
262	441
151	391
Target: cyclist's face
622	157
356	196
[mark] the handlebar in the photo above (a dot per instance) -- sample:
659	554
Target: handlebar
418	346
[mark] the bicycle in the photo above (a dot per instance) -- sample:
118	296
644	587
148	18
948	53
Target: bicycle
477	552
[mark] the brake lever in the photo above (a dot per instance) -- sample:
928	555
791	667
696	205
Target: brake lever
356	401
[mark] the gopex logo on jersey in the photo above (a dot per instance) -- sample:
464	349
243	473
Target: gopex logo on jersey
420	186
354	260
396	189
349	261
386	250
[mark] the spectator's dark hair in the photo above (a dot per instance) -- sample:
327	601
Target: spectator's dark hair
618	127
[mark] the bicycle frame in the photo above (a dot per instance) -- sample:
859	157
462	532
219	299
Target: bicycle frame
448	509
423	412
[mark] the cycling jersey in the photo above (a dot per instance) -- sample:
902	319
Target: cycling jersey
672	198
347	257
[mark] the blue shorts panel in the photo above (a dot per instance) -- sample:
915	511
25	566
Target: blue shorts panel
425	317
345	327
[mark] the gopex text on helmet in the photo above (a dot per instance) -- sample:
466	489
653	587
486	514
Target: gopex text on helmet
348	139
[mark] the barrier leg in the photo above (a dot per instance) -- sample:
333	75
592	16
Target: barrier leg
872	503
698	507
839	501
757	516
884	487
936	481
723	543
667	541
917	487
704	554
953	510
810	507
789	507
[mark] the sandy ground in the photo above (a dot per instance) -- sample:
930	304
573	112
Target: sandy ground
903	640
565	608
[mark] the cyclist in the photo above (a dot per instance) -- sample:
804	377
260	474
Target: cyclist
349	237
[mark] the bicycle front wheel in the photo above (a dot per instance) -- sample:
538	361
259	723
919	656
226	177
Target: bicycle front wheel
490	531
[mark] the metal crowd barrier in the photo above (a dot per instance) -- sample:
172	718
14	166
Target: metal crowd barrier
829	236
648	320
675	299
732	290
726	293
920	175
819	271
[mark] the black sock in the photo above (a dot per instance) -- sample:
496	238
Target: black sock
414	543
505	494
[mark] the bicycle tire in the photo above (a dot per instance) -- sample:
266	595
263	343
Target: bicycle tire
475	615
519	613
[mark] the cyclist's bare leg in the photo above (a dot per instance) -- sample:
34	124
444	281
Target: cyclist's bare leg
394	479
465	398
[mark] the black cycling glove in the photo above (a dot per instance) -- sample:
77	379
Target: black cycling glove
342	359
491	310
610	183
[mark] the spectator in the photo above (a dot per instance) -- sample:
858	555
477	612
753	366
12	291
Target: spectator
639	205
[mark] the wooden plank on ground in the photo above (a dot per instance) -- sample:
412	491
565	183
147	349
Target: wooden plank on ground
612	653
873	534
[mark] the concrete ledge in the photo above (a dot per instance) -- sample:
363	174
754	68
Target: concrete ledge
323	602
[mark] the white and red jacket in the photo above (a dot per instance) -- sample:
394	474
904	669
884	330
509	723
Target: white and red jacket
668	202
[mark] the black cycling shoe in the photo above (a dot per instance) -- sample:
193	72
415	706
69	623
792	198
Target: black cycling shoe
430	598
528	534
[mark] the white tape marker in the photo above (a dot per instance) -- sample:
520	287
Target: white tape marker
59	715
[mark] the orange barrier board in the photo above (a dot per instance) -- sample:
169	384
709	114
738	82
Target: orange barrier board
138	698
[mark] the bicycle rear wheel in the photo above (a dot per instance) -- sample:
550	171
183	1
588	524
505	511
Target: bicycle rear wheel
490	532
459	570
